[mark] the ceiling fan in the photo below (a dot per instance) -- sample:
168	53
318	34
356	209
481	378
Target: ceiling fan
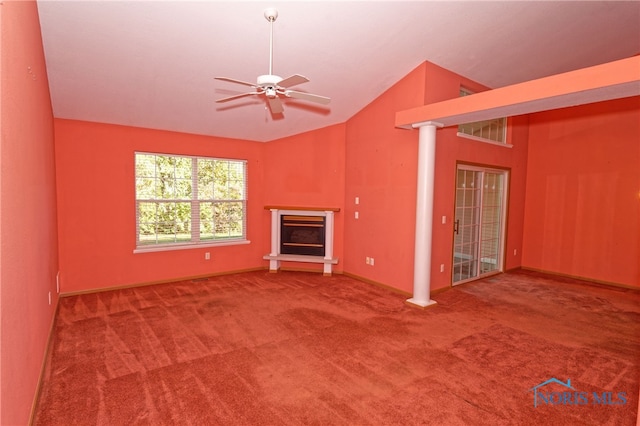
271	86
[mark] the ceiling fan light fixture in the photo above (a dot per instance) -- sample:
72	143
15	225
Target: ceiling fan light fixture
270	92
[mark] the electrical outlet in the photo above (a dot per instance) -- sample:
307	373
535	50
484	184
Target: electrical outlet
357	215
207	256
515	252
372	261
367	260
357	200
442	267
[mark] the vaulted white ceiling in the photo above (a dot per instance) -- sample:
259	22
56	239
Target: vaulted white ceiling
152	63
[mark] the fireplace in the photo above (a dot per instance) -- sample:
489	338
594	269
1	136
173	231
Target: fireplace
302	235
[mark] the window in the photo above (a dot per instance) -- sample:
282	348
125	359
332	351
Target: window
492	130
185	201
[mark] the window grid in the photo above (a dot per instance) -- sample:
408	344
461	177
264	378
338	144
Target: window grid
493	130
479	223
491	221
184	200
468	202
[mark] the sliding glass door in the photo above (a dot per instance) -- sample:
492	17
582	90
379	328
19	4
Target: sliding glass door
478	244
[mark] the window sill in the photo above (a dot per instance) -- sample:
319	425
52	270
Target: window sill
477	139
172	247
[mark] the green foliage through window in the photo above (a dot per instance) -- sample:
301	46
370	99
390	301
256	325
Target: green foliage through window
189	200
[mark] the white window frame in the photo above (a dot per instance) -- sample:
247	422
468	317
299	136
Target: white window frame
195	203
501	140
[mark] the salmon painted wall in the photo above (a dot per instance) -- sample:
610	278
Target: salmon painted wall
583	192
28	243
452	150
381	169
96	206
307	170
381	165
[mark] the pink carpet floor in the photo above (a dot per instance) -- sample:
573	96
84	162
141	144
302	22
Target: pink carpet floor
301	349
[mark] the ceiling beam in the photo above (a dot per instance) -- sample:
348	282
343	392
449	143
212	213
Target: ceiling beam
613	80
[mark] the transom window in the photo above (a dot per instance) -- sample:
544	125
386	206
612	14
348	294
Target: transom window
184	200
492	130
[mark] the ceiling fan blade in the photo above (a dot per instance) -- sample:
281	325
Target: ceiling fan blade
275	105
241	95
294	80
307	97
233	80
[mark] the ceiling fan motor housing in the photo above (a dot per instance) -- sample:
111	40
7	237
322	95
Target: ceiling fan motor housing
269	84
268	80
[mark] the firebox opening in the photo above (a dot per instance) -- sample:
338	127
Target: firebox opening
302	235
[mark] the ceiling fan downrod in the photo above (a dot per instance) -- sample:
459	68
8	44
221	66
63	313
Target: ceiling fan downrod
271	14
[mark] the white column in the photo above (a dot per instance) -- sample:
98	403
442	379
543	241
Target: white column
424	215
328	242
274	264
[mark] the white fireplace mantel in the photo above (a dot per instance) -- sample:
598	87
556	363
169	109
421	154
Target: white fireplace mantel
275	257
